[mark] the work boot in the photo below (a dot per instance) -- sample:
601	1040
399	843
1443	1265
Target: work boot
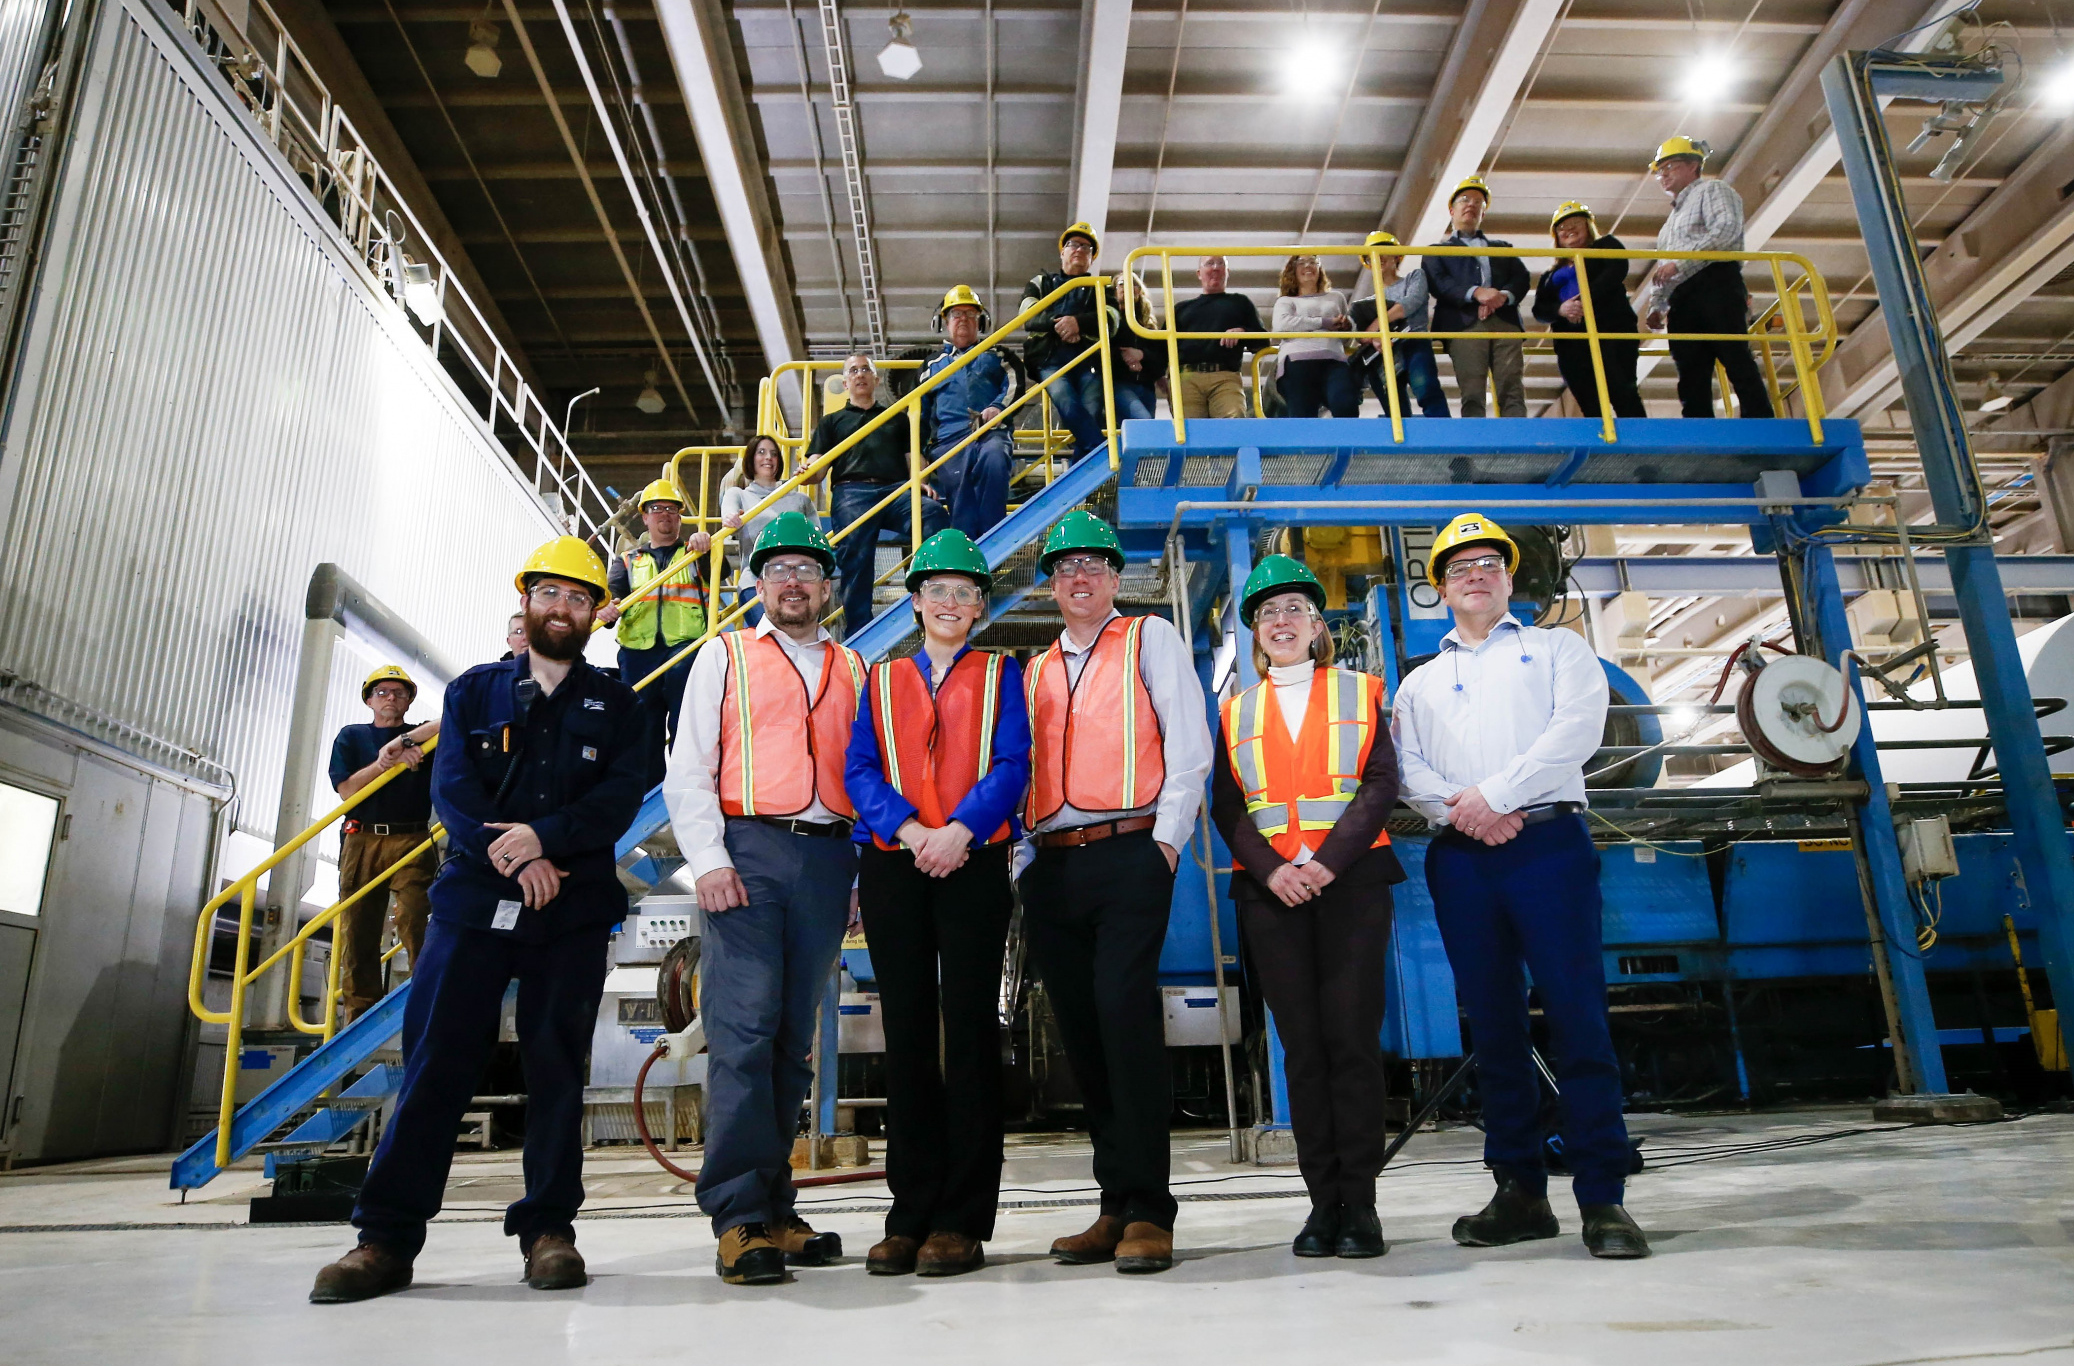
748	1256
1097	1244
1360	1233
894	1256
367	1271
553	1263
1610	1233
802	1246
1320	1233
1145	1248
950	1254
1513	1216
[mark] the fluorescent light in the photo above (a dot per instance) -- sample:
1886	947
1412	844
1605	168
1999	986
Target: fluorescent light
1997	398
2058	88
1710	78
421	293
651	399
1310	69
898	59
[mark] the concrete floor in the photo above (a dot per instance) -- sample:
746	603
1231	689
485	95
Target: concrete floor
1908	1246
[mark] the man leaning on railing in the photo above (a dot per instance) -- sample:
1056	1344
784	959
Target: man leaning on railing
1703	296
1209	383
975	482
862	478
1063	331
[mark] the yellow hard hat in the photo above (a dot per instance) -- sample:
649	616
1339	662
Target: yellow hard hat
1469	529
386	674
1570	208
1474	182
1381	239
962	296
566	557
1679	145
661	491
1094	240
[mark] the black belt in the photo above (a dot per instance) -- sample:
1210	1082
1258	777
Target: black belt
392	828
1534	815
818	829
1209	370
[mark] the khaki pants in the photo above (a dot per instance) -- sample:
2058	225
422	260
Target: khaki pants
1212	393
357	936
1501	360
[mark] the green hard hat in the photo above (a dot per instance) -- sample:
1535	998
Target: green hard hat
1081	530
949	552
795	533
1279	574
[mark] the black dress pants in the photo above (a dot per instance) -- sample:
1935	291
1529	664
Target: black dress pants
1574	360
1096	916
1715	300
1322	968
937	945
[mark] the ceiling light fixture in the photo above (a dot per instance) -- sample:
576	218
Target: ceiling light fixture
898	59
1998	399
421	293
651	400
482	56
2058	92
1709	80
1310	69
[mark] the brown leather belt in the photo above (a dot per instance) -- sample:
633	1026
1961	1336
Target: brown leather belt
1089	834
391	828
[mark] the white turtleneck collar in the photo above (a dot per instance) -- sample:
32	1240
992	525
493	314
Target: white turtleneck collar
1288	675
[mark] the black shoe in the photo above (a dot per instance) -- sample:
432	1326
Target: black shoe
1513	1216
1610	1233
1360	1232
1320	1233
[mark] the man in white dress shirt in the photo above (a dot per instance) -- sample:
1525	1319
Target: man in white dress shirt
1492	737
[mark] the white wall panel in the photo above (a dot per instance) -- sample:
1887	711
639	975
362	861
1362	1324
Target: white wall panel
214	398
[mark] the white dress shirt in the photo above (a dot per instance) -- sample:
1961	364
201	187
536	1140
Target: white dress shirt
1177	698
1292	687
1515	717
691	783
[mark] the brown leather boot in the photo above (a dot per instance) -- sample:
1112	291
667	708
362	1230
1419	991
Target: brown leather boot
802	1246
1145	1248
950	1254
367	1271
748	1256
553	1263
1097	1244
893	1256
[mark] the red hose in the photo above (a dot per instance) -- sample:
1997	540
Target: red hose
648	1140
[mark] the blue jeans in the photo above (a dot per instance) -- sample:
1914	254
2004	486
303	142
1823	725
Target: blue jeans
1076	399
1533	903
1418	382
449	1024
763	969
1308	385
856	552
975	482
1134	400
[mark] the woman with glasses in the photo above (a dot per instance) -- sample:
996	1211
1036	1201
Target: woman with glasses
1312	372
1307	778
938	758
753	480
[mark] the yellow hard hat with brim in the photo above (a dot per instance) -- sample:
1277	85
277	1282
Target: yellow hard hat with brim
1679	145
1572	208
1473	182
1094	240
661	491
1471	528
962	296
388	673
565	557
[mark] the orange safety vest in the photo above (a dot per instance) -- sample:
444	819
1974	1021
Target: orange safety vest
1298	787
934	747
1096	743
779	749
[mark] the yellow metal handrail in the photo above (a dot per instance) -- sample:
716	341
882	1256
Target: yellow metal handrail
1799	334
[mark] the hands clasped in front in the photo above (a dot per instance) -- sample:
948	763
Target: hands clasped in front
516	853
1472	815
1297	883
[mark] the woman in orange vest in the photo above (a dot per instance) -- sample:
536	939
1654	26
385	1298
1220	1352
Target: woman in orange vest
1308	777
938	759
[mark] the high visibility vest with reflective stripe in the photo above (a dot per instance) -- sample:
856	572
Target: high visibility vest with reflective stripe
1297	787
1096	743
935	747
779	750
680	604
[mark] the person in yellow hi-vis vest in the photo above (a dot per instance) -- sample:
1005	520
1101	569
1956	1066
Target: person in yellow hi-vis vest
1306	778
654	627
757	799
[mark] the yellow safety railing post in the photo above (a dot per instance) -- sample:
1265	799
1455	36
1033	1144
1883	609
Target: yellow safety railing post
1382	319
1591	333
1108	371
227	1108
1166	269
1811	392
914	480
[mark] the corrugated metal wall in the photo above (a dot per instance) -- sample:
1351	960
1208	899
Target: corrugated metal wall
212	401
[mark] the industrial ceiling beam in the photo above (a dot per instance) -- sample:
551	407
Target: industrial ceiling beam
1105	39
702	52
1485	68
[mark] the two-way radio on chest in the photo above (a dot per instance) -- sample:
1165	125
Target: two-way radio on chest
524	694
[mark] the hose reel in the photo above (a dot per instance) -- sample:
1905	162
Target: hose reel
1798	714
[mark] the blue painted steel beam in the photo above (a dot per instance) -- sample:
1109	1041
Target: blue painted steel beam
2045	870
1154	509
300	1086
1669	438
329	1126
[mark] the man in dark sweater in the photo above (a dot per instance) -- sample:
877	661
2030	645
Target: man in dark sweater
863	475
1065	329
1209	384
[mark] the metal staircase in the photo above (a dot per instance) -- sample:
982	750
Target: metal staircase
295	1116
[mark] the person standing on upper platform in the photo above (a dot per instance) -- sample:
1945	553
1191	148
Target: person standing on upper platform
1209	384
1703	296
1307	780
863	477
382	830
1492	737
1113	800
975	481
1405	308
1069	326
1480	294
1559	302
1313	371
